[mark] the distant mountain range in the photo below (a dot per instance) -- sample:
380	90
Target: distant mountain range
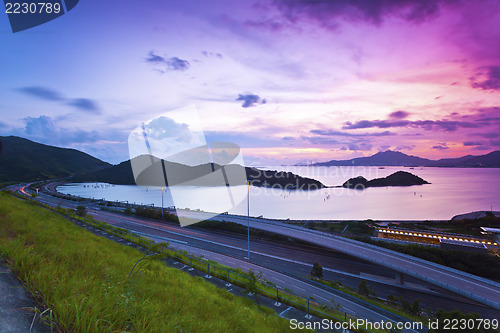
394	158
22	160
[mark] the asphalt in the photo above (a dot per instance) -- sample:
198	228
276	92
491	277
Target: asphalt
16	306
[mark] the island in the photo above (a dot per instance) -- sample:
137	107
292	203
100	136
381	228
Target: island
399	178
156	170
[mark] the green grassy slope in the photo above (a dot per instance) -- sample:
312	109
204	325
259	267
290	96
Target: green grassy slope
84	279
25	160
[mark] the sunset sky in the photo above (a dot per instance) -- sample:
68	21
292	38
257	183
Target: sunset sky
289	81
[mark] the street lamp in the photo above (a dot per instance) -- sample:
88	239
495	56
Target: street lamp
248	218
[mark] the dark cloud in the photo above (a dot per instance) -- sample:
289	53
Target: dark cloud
319	140
178	64
472	143
84	104
285	138
361	146
495	143
446	125
441	146
41	92
270	25
163	64
403	147
45	130
250	100
155	59
486	78
488	135
209	54
339	133
328	12
399	114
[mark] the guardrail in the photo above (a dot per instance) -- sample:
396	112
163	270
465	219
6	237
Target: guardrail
457	290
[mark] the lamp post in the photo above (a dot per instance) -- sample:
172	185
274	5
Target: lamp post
248	218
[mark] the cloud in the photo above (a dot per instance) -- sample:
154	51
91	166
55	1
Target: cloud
41	92
472	143
339	133
399	114
285	138
167	64
209	54
361	146
329	13
178	64
488	135
250	100
84	104
164	127
44	129
446	125
266	24
440	146
403	147
486	78
495	143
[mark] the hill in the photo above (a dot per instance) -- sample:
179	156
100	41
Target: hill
152	175
394	158
22	160
399	178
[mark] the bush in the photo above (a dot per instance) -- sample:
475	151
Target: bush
81	211
317	271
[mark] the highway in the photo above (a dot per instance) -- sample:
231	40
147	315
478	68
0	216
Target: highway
298	285
270	258
482	290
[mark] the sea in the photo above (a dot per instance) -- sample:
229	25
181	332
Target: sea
451	191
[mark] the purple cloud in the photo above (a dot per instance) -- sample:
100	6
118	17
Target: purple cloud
250	100
41	92
339	133
327	13
399	114
403	147
84	104
446	125
472	143
487	78
167	64
441	146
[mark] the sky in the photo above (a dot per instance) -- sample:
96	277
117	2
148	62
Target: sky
289	81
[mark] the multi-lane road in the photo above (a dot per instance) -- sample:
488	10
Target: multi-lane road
482	290
273	259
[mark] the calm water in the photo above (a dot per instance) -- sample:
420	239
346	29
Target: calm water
452	191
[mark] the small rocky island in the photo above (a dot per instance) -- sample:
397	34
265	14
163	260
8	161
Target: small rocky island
400	178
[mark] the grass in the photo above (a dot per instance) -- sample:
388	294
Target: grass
84	280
